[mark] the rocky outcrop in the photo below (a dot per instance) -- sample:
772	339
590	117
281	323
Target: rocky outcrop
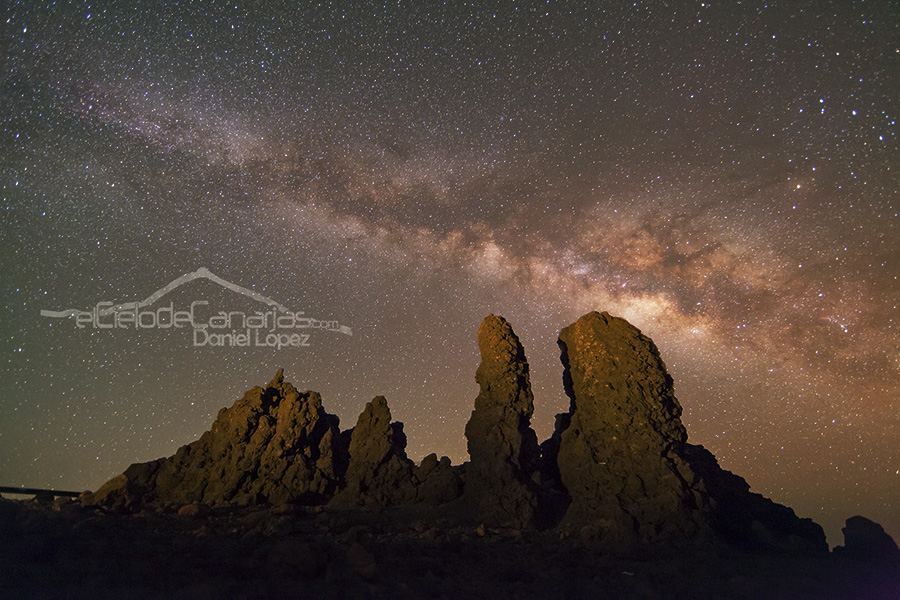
748	520
867	541
618	467
622	455
503	448
379	472
273	445
276	445
437	481
619	447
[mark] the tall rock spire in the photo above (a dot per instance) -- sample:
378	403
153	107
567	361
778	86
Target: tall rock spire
619	448
503	448
622	454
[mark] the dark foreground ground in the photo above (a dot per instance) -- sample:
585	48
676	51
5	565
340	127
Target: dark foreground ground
64	550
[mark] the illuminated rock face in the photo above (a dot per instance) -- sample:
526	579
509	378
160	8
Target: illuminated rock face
503	448
617	468
379	472
273	445
621	444
621	453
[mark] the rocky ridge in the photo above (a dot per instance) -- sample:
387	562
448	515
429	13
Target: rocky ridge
617	471
273	445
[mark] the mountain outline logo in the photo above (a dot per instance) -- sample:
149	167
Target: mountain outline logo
277	319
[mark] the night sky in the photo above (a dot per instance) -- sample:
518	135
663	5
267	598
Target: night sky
724	175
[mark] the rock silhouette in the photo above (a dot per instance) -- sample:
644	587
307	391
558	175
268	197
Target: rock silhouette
749	520
865	540
503	448
618	469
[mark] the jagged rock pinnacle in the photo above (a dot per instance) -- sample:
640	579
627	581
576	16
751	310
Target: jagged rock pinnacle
274	445
277	380
502	446
379	472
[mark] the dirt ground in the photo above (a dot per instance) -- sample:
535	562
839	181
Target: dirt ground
64	550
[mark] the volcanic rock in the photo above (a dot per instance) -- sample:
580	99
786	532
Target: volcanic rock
866	540
129	488
379	472
619	446
194	509
746	519
437	481
622	454
617	468
275	444
503	448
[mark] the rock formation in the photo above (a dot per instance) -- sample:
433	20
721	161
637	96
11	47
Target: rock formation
619	446
622	454
437	481
866	540
503	448
275	445
746	519
379	472
617	468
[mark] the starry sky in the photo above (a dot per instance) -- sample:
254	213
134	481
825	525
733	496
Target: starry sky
724	175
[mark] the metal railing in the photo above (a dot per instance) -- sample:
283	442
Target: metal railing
37	492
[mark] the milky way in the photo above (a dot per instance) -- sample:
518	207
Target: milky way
723	175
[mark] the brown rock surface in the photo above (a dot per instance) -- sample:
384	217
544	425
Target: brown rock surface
619	447
275	444
622	454
503	448
437	481
379	472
